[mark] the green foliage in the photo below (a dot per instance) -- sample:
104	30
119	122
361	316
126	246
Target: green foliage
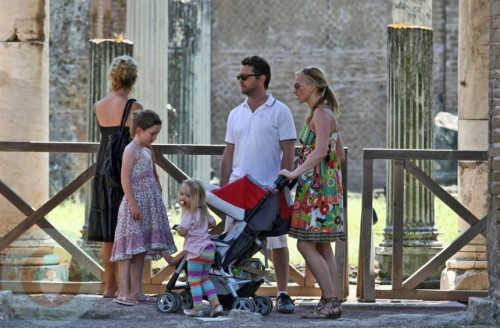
69	219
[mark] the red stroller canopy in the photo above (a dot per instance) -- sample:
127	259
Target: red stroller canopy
246	193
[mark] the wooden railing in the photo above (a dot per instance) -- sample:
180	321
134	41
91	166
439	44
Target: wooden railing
303	284
402	160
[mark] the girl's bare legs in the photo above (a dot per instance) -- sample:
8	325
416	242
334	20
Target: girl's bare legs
111	288
326	251
318	266
124	279
136	267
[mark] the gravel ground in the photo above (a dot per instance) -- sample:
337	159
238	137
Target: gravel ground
93	311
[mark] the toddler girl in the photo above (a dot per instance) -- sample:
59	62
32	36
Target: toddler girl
198	246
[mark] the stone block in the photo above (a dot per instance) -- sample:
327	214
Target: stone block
485	311
458	279
29	30
6	310
413	259
23	19
473	134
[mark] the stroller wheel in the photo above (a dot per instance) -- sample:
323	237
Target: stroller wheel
178	302
168	302
244	304
263	305
186	300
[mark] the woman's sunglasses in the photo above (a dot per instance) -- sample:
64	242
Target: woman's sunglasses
298	85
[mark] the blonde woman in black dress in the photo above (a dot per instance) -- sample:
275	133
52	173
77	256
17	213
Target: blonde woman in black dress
106	199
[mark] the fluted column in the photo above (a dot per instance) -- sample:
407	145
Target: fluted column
409	126
147	25
172	46
189	69
467	270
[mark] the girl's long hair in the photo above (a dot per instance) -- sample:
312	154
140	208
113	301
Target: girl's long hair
198	197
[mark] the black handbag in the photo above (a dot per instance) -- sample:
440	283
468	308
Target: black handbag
114	151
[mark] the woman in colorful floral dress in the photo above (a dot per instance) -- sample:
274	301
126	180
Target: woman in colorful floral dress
318	213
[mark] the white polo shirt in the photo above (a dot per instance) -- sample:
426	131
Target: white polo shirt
256	138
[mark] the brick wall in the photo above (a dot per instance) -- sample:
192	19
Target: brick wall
348	39
493	230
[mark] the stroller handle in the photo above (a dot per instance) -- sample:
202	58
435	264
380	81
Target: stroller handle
281	183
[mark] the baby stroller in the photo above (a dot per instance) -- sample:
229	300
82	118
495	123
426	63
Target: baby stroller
235	274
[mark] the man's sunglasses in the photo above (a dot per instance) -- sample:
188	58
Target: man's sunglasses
244	77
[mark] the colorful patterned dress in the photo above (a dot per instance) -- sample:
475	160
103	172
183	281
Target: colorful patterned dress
152	233
318	209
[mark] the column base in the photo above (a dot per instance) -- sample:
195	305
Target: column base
42	272
31	263
413	259
79	273
464	279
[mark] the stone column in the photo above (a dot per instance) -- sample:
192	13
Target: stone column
188	55
178	34
148	27
467	270
24	90
409	57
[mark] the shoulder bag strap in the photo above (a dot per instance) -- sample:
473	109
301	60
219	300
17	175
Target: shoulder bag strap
126	112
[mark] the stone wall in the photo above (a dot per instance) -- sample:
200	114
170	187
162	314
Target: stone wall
493	229
68	97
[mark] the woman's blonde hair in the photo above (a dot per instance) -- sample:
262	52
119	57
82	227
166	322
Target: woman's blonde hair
198	197
123	73
315	75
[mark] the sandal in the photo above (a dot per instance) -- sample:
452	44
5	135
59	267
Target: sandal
327	308
217	311
194	313
315	310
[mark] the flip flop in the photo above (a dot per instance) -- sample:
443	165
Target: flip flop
125	301
148	299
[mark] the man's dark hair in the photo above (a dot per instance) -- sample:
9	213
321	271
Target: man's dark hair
260	66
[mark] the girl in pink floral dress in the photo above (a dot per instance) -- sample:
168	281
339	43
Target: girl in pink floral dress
143	230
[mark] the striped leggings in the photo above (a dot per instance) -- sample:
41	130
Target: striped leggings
198	279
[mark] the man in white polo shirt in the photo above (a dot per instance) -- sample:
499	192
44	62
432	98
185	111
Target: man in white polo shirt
260	140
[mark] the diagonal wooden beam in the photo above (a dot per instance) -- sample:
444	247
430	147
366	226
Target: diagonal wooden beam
440	258
82	257
52	203
442	194
173	170
162	275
